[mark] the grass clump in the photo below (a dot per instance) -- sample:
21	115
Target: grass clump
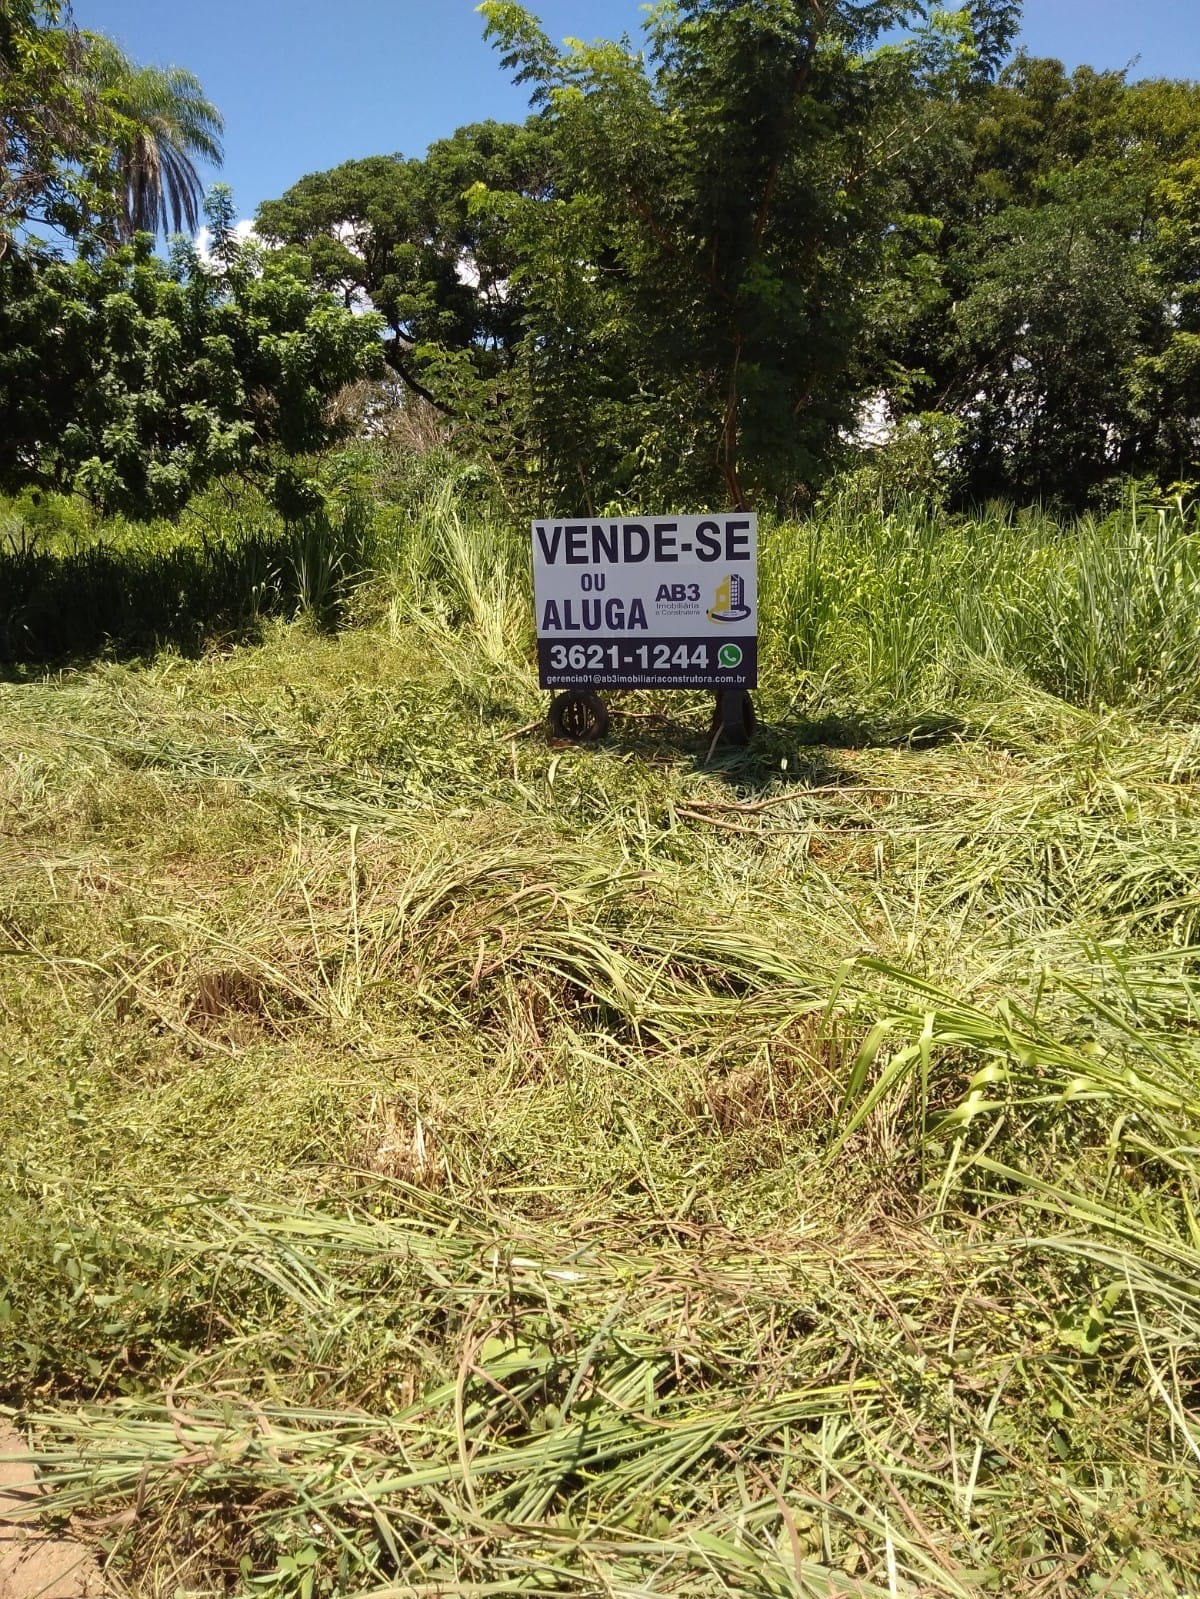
921	608
439	1162
71	590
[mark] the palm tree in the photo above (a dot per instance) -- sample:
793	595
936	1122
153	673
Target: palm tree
167	124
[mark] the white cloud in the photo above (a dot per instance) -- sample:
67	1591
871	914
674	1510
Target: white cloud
243	229
466	269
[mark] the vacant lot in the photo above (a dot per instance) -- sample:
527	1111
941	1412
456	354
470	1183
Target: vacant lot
440	1162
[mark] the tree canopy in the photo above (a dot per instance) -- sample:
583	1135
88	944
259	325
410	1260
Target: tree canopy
667	274
57	129
403	236
687	274
166	123
137	382
1062	329
93	146
126	378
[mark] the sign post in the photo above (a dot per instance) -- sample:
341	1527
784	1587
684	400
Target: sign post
647	602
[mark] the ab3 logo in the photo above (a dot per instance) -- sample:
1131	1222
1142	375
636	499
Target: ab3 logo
730	602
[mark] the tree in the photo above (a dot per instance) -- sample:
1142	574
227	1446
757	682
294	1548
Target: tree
56	127
1062	321
401	236
136	382
729	201
1055	314
92	146
166	124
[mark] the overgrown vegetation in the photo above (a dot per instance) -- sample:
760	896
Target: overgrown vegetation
138	384
440	1162
72	587
710	255
872	603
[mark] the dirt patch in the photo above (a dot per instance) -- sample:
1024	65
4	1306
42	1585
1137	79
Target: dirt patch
35	1564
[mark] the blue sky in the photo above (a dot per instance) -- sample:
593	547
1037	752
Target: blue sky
304	84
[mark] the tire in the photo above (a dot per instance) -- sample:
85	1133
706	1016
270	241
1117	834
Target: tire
578	716
733	716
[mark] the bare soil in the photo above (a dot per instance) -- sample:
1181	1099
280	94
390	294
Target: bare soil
35	1564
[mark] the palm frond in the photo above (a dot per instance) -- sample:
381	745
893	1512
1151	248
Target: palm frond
171	126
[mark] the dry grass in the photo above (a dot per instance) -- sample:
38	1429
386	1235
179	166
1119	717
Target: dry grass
436	1162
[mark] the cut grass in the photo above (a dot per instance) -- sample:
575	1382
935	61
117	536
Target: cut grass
437	1162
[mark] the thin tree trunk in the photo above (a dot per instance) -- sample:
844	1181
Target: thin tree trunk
729	433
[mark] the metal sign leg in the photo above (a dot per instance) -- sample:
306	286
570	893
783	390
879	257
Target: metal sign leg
733	716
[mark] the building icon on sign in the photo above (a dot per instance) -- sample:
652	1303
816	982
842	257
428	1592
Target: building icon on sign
729	603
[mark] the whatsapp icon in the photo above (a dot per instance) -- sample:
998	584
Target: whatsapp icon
729	655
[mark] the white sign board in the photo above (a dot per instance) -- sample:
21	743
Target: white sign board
647	602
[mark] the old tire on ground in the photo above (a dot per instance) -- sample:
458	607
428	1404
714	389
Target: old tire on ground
578	716
733	716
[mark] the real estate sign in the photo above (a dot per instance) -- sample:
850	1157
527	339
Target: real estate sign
647	602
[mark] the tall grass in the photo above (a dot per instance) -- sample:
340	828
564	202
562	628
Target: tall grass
906	608
450	571
135	590
910	604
